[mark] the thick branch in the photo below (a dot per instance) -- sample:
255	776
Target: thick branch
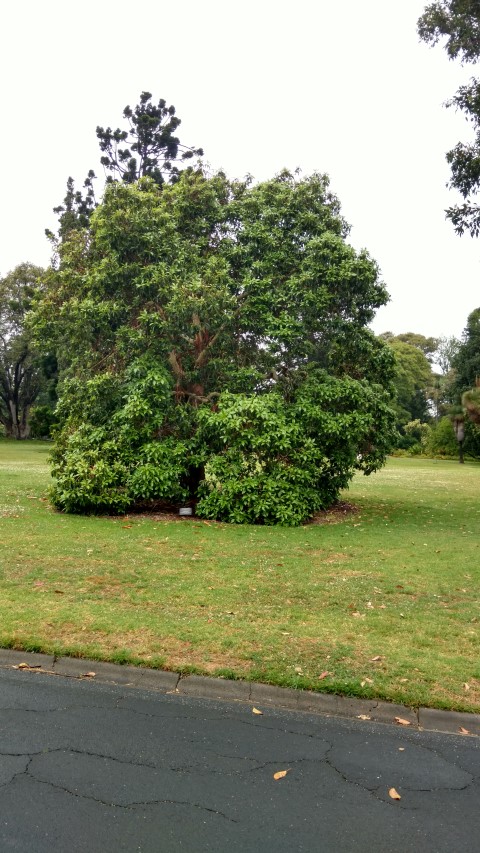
178	371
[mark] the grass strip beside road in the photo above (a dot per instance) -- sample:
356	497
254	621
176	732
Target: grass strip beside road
380	602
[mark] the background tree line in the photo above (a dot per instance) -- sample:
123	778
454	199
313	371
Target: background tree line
432	377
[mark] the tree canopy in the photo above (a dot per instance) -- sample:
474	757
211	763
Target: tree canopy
455	21
466	362
457	24
413	375
214	343
427	345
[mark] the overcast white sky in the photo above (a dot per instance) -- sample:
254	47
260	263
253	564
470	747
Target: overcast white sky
338	87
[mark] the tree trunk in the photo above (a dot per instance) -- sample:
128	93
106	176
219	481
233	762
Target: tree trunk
17	425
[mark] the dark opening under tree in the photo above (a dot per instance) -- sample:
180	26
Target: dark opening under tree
215	349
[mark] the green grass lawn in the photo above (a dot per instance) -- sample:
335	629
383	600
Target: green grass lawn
385	600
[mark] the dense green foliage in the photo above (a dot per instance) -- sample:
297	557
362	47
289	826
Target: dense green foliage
428	402
467	360
413	377
440	440
457	24
443	390
414	382
428	346
42	421
214	346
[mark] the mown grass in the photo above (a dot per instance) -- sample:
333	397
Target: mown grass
384	599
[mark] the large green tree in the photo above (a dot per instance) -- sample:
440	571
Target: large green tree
21	375
427	345
413	375
456	23
215	348
446	352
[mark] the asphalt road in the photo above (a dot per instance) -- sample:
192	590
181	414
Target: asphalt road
103	768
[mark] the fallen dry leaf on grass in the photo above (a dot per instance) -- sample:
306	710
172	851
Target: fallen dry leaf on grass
394	794
466	686
323	674
377	657
463	731
256	711
401	722
281	773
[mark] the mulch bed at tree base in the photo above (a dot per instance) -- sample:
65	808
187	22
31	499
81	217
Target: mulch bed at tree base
163	511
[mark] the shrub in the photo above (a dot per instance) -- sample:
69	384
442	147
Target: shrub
442	441
43	421
265	470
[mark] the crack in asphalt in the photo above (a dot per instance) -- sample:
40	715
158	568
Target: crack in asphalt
439	754
254	723
375	790
73	751
22	754
434	790
18	772
130	806
362	787
212	771
35	710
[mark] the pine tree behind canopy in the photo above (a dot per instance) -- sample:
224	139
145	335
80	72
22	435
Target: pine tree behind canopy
215	348
148	147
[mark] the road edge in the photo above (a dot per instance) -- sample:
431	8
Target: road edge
203	687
